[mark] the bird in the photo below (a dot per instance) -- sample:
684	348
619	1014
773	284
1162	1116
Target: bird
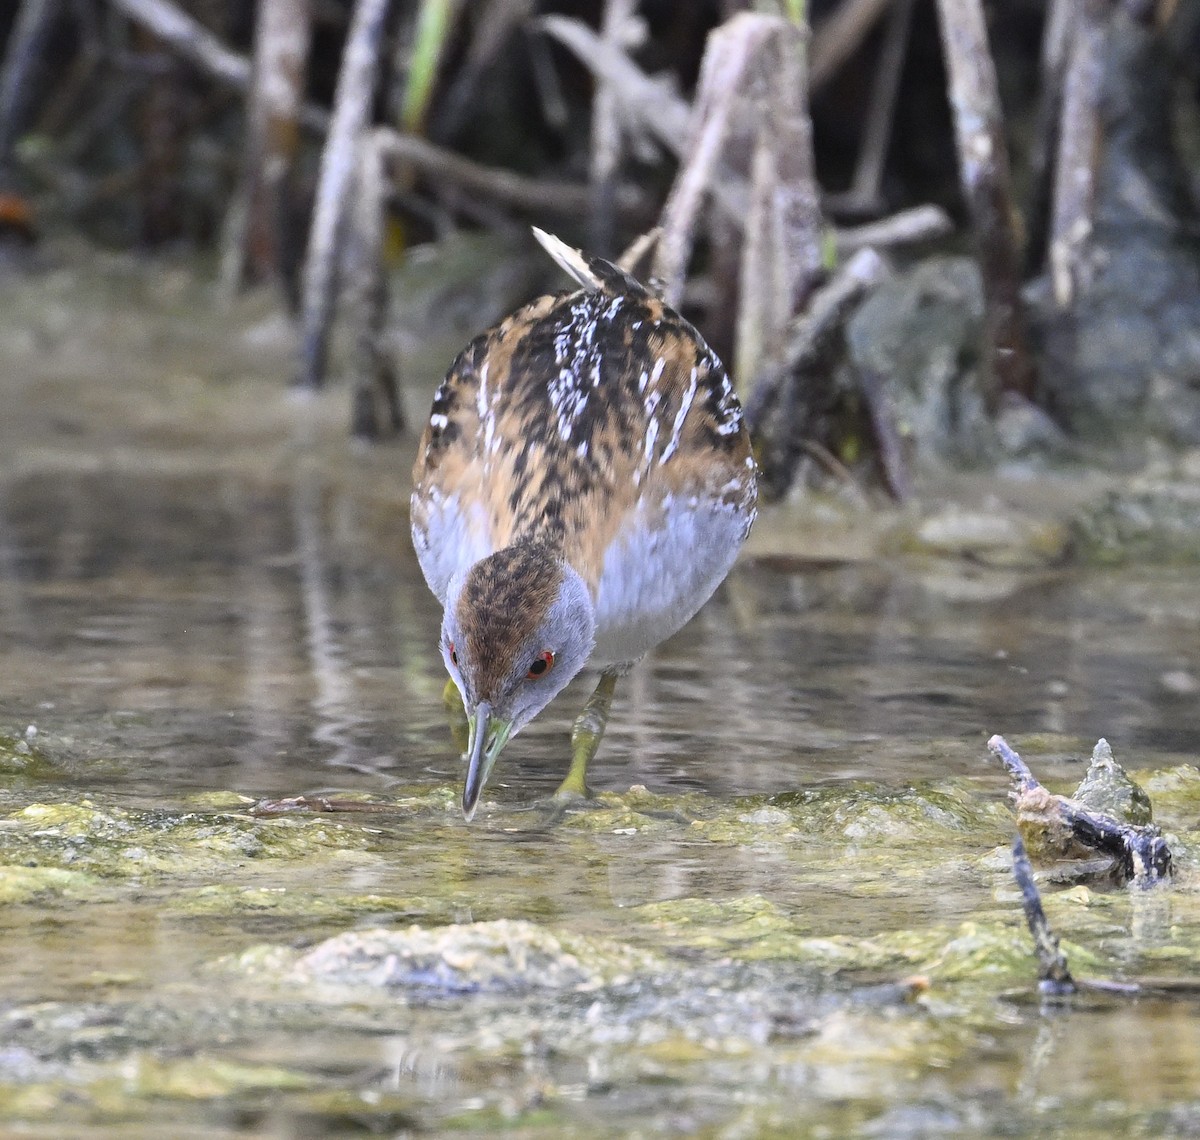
583	484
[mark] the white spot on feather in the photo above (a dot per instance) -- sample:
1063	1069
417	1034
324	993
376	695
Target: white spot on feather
568	399
685	406
651	438
481	395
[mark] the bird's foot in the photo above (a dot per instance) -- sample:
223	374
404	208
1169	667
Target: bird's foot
635	809
574	786
586	735
569	798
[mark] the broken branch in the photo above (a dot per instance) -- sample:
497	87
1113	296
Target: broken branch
1063	822
987	188
1054	976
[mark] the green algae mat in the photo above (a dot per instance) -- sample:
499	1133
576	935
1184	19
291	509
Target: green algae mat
659	963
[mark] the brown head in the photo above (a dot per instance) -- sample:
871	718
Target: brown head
518	625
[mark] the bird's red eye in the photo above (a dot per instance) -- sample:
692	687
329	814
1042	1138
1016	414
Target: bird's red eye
541	664
453	653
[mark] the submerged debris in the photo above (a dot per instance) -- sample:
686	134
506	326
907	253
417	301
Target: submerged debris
1054	976
1109	815
309	804
1106	787
503	956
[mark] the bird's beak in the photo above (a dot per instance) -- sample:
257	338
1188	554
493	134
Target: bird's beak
488	736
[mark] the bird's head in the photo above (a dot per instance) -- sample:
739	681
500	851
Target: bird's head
518	625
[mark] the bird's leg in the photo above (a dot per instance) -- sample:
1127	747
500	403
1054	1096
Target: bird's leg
586	736
457	715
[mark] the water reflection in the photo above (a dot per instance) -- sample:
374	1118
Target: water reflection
275	635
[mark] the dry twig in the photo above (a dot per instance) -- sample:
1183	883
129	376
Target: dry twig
376	399
908	227
750	118
1054	976
25	42
1056	38
1139	850
796	381
983	167
188	38
836	39
888	445
865	194
606	132
1079	142
810	333
351	111
256	237
649	100
533	194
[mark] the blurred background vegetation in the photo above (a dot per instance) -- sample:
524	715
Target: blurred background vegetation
309	144
118	134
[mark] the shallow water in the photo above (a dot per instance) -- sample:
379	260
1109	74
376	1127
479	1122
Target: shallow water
218	632
206	593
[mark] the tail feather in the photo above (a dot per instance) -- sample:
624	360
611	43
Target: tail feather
593	273
570	261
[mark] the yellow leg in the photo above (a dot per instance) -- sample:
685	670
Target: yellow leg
456	714
586	737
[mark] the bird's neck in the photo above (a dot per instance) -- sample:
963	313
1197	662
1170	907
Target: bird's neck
529	552
513	585
545	546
